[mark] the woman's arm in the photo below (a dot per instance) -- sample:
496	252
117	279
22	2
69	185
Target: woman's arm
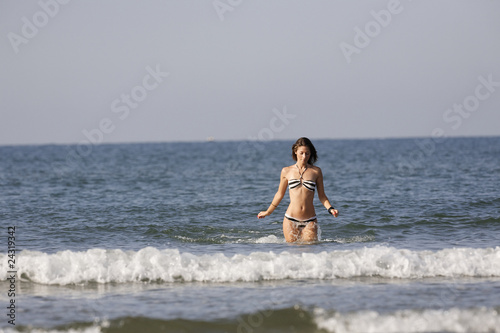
277	197
322	196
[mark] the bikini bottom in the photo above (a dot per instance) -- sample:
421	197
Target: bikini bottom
300	223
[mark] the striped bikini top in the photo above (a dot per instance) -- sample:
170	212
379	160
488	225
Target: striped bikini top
309	184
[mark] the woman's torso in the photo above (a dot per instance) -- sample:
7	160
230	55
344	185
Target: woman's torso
301	191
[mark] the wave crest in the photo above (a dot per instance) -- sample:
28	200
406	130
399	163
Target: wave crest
170	265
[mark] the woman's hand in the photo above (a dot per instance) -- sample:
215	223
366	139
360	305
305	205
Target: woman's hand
335	212
263	214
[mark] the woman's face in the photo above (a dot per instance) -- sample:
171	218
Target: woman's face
303	153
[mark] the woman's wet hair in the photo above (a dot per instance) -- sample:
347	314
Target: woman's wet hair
307	143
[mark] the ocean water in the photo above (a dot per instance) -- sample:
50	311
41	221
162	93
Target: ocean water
164	238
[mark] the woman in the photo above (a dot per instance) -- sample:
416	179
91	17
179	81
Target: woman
302	179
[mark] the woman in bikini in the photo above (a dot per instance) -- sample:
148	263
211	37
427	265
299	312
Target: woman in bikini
302	179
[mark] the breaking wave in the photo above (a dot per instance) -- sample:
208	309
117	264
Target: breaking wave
170	265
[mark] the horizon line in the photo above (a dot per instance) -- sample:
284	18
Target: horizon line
212	140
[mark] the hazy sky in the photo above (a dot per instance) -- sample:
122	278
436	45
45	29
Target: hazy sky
135	71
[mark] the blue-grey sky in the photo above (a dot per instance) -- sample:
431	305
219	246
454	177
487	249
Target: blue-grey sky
165	70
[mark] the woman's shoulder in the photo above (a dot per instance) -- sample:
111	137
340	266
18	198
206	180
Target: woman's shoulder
315	168
288	171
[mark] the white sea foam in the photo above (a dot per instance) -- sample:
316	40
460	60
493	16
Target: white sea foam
170	265
354	239
270	239
411	321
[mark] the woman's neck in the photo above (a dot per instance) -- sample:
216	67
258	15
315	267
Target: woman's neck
301	165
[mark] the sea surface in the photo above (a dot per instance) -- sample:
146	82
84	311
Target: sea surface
163	237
